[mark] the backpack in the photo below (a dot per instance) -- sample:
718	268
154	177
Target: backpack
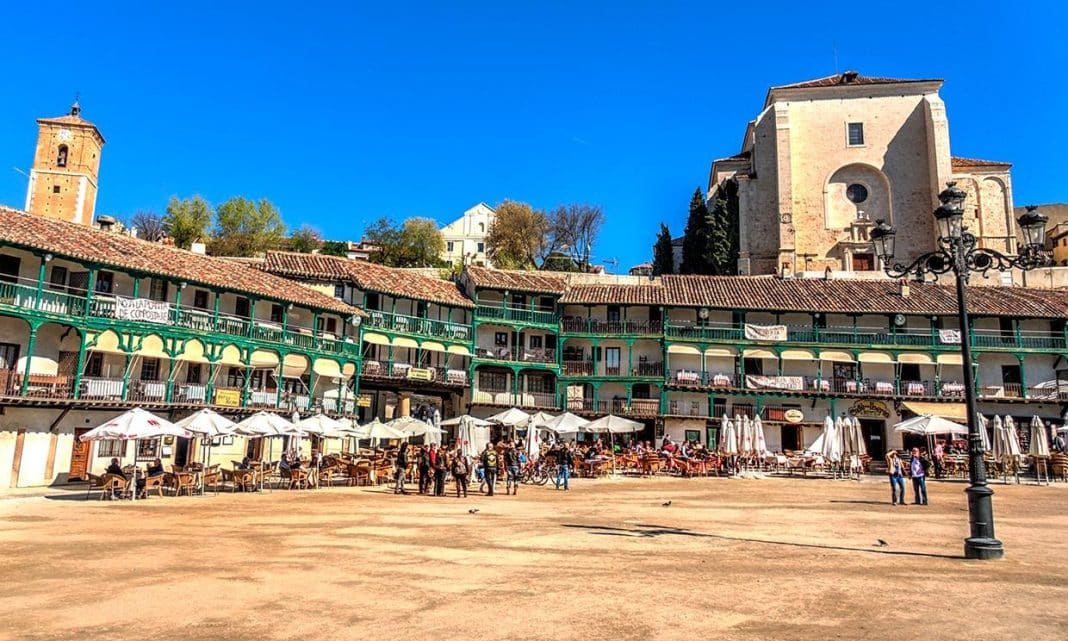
459	466
491	458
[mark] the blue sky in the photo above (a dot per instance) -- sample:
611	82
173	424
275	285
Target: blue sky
340	114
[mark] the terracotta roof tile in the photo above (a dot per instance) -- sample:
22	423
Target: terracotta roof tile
968	163
370	276
83	243
518	281
645	294
848	78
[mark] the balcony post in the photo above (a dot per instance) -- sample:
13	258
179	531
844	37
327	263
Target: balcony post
1023	374
247	381
704	364
30	344
938	376
77	391
251	316
630	358
209	388
278	379
897	375
89	287
285	319
136	292
40	280
1016	332
178	288
128	366
215	312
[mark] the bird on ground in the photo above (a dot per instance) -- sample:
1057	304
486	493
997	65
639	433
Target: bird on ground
668	504
473	510
881	543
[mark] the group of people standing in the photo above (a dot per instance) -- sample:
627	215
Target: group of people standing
434	463
917	467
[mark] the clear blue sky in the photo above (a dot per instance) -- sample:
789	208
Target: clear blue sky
341	114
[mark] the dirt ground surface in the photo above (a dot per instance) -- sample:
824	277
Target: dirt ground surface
727	559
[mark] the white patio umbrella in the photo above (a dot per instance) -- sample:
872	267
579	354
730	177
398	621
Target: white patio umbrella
207	425
533	443
321	425
929	426
377	431
566	423
860	447
745	446
513	417
452	422
613	424
984	436
1012	438
266	425
760	444
539	419
472	434
832	444
729	440
410	427
134	425
1039	445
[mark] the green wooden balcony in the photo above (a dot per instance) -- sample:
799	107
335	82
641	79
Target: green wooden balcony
100	313
416	326
516	315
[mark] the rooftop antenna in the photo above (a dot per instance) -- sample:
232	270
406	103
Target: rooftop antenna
834	54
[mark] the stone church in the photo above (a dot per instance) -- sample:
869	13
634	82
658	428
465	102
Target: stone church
825	159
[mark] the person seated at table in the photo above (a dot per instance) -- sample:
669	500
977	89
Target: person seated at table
155	468
283	464
244	464
639	449
683	452
115	468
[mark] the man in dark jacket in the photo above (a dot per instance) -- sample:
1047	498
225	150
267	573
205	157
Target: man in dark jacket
440	462
511	468
423	463
490	465
563	465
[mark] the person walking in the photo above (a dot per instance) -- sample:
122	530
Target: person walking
401	469
423	464
918	468
511	468
490	463
460	470
895	469
563	467
440	461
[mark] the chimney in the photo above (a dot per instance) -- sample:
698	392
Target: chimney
198	248
105	223
849	77
903	288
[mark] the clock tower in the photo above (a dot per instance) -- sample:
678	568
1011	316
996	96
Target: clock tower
63	178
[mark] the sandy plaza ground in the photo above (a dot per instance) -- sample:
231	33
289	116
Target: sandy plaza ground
727	559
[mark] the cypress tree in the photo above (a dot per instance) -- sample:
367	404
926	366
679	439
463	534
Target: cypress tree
663	258
695	239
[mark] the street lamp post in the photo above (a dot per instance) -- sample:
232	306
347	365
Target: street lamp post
958	252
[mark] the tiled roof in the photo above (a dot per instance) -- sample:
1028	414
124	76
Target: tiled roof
858	296
645	294
967	163
71	120
369	276
83	243
518	281
848	78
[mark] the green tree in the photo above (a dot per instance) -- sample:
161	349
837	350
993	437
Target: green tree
517	236
696	239
247	228
416	243
187	220
663	257
305	240
334	248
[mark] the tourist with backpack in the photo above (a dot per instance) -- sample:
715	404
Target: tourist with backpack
490	464
460	469
511	467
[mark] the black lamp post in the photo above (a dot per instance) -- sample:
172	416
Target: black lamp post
958	252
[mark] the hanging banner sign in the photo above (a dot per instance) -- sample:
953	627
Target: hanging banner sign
765	332
789	383
363	401
142	309
228	397
869	409
420	374
949	336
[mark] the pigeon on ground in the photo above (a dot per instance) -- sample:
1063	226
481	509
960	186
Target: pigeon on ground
881	543
668	504
473	510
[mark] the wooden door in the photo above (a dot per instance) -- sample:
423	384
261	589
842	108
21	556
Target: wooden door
79	456
863	262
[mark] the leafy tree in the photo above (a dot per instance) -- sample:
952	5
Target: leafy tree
305	240
517	236
559	262
663	257
696	239
149	226
416	243
187	220
247	228
334	248
573	228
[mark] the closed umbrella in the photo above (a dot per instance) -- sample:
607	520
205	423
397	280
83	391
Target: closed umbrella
730	437
984	435
745	437
1012	445
1038	448
473	434
760	444
533	443
135	425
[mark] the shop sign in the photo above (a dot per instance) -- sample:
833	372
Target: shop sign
142	309
869	409
793	416
420	374
228	397
363	401
765	332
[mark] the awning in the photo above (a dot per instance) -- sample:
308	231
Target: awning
837	357
151	347
875	357
797	355
327	367
952	411
725	352
758	353
431	346
294	366
193	351
683	349
950	359
459	349
263	358
915	357
231	355
403	341
376	339
349	370
39	365
107	342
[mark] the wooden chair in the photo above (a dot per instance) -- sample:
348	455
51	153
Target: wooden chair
154	482
360	472
96	482
298	478
181	482
115	486
212	477
651	464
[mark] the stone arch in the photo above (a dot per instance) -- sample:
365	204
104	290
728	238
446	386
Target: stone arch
840	211
54	351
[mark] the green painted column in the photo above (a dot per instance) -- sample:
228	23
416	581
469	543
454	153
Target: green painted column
630	358
40	281
1023	372
178	302
77	391
245	391
128	363
215	312
89	288
30	344
209	389
251	316
136	287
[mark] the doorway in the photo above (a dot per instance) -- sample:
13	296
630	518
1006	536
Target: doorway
790	436
863	262
874	437
181	451
79	456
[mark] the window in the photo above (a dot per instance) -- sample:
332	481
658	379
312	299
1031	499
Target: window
328	325
111	449
500	339
9	268
9	355
613	313
910	372
61	156
241	307
105	282
147	449
339	291
493	381
150	369
481	247
55	189
482	229
200	299
372	301
158	290
448	246
58	277
693	436
1011	375
192	374
94	367
276	313
855	133
857	193
540	385
235	377
611	360
535	342
753	366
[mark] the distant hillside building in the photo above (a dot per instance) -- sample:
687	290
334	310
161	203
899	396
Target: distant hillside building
465	237
825	159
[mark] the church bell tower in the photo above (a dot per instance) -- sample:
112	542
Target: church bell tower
63	178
